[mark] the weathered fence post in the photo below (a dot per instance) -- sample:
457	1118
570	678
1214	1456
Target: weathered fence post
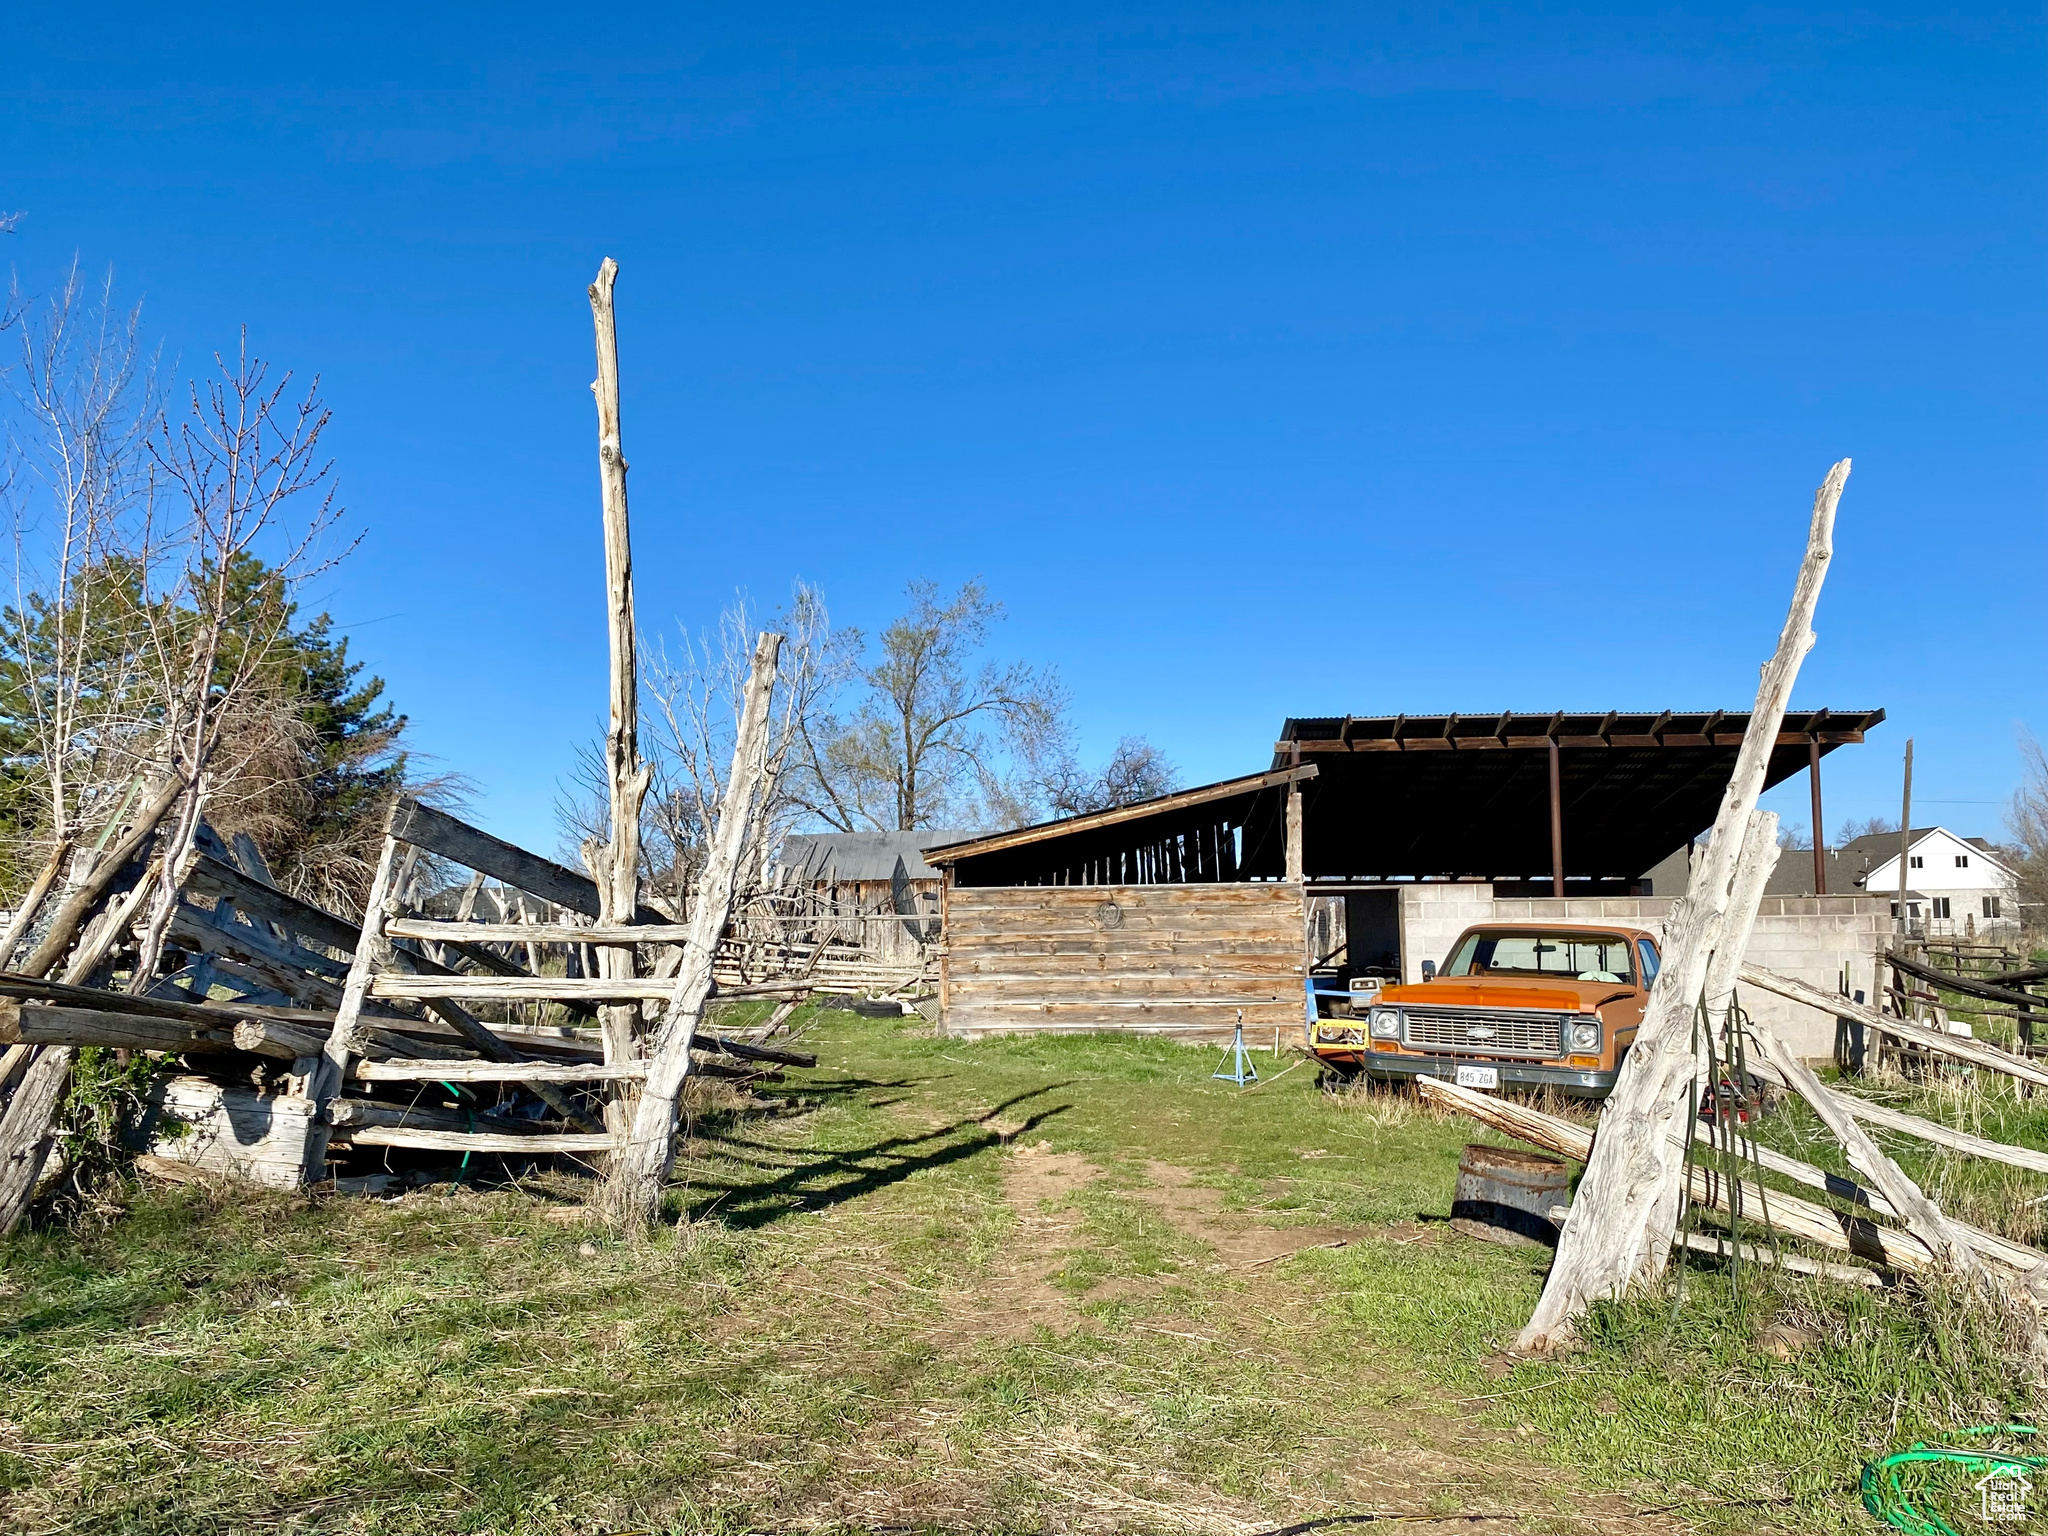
1625	1216
615	864
641	1166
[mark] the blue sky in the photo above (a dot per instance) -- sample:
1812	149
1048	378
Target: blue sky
1265	360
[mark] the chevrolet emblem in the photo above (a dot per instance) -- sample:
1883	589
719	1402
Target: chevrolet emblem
1480	1032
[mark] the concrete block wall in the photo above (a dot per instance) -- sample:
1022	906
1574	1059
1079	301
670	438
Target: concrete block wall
1432	917
1815	938
1819	939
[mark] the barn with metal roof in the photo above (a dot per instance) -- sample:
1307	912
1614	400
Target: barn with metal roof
1185	913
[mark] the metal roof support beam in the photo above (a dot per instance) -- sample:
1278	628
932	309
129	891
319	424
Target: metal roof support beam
1820	841
1556	822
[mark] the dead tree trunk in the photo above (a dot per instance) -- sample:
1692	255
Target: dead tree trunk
642	1165
1625	1217
615	865
1755	860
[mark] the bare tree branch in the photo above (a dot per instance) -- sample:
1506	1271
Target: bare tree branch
246	489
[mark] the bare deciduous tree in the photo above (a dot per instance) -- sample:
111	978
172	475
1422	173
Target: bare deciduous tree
1136	771
1869	826
699	696
76	705
936	732
697	691
244	480
2027	822
923	731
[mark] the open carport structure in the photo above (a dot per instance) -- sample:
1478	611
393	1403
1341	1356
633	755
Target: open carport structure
1350	855
1531	798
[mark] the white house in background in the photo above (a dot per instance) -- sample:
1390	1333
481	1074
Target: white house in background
1954	885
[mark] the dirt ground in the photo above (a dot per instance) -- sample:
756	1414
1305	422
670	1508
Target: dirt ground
1412	1466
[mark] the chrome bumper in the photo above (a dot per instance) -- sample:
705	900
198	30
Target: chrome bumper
1390	1067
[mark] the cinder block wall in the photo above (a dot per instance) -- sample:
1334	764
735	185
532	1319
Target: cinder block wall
1819	939
1815	938
1432	917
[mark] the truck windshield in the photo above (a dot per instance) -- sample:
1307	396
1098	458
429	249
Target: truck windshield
1573	956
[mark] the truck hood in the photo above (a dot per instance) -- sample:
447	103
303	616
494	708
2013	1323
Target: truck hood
1501	992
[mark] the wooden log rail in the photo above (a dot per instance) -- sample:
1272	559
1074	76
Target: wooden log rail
257	901
47	1024
1888	1119
35	989
402	1071
588	989
289	1042
1720	1246
1818	1224
439	833
277	964
1967	986
351	1115
86	1016
520	989
482	1141
536	933
1976	1052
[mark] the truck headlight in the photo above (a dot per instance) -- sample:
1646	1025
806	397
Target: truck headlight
1585	1037
1386	1023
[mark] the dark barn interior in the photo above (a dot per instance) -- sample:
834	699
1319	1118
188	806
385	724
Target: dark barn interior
1472	796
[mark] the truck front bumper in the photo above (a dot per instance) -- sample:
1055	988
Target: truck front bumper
1404	1066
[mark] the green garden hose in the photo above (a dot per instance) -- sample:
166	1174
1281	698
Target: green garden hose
459	1096
1892	1486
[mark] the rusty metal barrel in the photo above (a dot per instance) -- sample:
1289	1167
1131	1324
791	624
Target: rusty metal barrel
1505	1195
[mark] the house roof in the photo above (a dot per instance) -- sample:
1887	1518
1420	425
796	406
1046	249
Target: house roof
1850	865
821	857
1882	847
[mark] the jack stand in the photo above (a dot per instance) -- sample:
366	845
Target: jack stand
1240	1069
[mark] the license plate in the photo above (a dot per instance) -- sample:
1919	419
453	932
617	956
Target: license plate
1479	1077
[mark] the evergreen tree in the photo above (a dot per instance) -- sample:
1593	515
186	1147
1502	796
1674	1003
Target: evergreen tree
350	757
308	769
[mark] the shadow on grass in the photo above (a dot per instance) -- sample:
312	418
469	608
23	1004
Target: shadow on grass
818	1180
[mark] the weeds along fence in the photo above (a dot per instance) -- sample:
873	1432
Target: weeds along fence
1979	987
1747	1201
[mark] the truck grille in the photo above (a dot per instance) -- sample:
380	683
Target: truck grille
1485	1031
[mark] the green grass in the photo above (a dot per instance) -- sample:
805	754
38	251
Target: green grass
833	1341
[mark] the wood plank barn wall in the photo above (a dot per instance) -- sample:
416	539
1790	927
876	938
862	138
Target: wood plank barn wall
1177	960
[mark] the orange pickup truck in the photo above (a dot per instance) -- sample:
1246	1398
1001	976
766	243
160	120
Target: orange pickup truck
1552	1005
